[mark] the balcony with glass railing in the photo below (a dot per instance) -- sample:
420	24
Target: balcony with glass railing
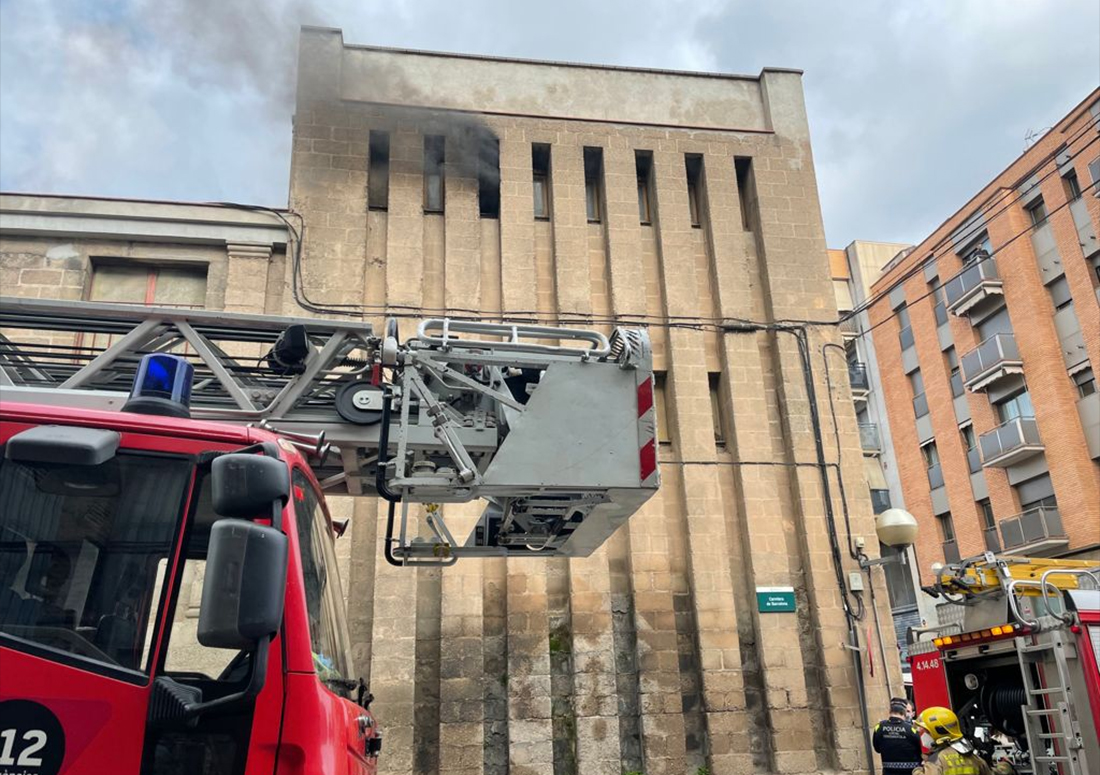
992	539
869	438
973	287
1010	443
995	359
951	551
1035	531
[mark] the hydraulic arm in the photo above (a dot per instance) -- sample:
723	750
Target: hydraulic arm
553	427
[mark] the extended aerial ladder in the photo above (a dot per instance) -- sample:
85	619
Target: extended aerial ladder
1020	654
554	427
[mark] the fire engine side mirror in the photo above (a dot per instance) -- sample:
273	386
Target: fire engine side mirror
245	585
244	485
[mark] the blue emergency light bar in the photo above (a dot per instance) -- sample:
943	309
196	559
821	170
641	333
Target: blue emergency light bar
162	386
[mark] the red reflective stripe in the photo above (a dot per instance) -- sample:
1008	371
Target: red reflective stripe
645	396
647	459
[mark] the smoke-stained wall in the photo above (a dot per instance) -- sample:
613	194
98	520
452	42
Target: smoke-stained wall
651	655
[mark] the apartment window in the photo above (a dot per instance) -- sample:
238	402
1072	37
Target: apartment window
746	190
947	526
716	411
593	183
970	442
540	178
488	178
1059	293
433	173
977	251
1037	212
1085	382
997	323
930	454
694	167
939	296
931	457
643	163
378	171
149	284
1072	186
986	508
1016	405
1037	493
905	332
920	400
968	438
660	400
955	373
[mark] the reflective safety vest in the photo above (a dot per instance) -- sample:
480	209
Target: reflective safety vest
948	761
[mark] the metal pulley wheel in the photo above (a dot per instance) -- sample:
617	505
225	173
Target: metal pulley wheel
360	403
391	343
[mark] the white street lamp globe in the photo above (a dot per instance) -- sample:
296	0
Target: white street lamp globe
896	527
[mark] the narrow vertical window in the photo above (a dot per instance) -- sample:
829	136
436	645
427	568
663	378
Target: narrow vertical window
947	527
717	413
540	178
1072	186
643	162
488	178
433	173
593	183
378	171
1037	212
746	190
694	165
660	393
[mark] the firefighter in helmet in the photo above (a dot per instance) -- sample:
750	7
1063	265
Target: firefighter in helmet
949	752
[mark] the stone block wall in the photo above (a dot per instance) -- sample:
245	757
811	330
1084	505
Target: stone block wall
649	656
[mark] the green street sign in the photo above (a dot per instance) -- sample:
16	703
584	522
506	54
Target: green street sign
773	600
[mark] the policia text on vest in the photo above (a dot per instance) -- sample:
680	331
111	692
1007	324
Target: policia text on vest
897	741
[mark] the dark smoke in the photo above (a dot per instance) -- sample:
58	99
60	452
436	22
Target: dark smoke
255	46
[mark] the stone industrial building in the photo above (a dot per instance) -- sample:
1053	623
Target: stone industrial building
673	199
987	336
430	184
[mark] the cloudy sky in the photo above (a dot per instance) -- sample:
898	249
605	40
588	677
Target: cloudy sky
914	104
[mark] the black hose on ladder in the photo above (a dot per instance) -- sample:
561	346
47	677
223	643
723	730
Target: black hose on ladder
380	476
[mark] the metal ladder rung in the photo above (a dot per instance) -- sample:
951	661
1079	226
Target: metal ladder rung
1046	692
1043	711
1052	758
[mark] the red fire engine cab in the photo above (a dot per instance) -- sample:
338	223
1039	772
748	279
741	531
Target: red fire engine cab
170	601
1015	655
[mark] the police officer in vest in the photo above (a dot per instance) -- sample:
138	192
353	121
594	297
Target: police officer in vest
949	752
897	740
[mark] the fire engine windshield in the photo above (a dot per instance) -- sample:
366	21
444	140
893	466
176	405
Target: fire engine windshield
82	555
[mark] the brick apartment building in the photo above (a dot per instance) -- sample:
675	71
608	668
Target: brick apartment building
580	195
988	363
